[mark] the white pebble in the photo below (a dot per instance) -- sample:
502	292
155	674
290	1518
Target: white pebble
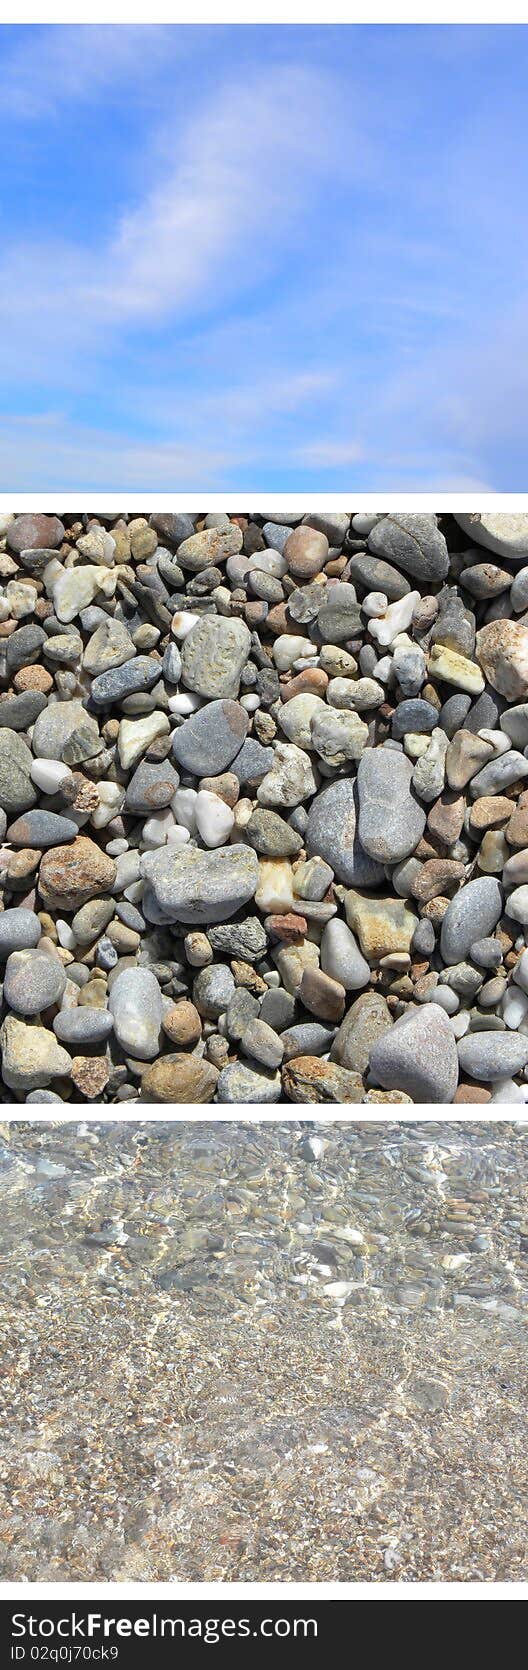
65	935
111	797
183	623
178	836
520	972
250	703
374	604
514	1007
49	775
183	804
497	740
396	618
156	828
214	819
289	647
185	703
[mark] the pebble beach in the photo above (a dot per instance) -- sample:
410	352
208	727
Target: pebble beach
264	808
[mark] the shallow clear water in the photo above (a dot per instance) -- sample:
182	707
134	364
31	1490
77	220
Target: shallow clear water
230	1355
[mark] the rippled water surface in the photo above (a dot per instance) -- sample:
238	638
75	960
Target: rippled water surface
263	1352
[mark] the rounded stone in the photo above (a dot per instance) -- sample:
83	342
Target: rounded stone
196	887
419	1055
17	792
30	532
306	552
212	990
208	742
83	1025
412	543
34	980
179	1078
118	682
504	532
502	651
136	1005
41	829
20	930
332	834
492	1055
71	875
341	957
391	822
213	655
472	914
239	1083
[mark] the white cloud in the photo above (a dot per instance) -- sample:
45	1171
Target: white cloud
58	64
47	453
329	455
243	179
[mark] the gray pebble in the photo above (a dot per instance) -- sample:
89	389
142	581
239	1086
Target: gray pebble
33	981
419	1055
492	1055
20	930
472	914
83	1025
210	739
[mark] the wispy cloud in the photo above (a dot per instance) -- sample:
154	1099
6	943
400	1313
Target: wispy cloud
311	267
58	65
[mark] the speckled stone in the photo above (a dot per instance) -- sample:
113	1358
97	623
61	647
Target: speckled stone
136	1006
20	930
41	829
492	1055
193	886
332	833
83	1025
472	914
17	792
213	655
34	980
390	820
208	742
239	1082
419	1055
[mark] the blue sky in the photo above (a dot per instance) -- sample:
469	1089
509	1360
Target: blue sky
263	258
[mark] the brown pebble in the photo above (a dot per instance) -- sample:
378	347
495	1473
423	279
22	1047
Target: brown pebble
33	678
435	910
71	875
23	864
182	1024
279	620
306	551
179	1078
90	1075
516	831
437	875
314	680
93	994
323	996
490	812
307	1078
227	787
446	818
288	927
472	1092
245	975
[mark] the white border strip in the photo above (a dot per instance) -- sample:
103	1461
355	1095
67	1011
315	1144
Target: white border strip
244	501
